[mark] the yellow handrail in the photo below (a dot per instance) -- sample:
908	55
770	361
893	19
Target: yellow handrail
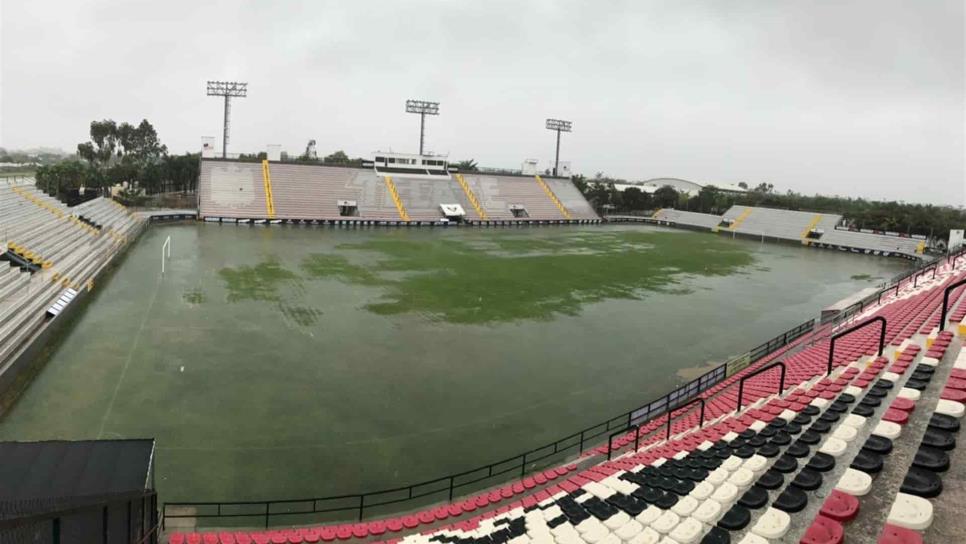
269	200
809	227
740	219
553	197
472	197
395	198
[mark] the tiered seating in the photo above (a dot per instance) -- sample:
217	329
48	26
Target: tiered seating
423	197
571	198
871	242
487	191
882	492
69	252
498	193
107	214
787	466
526	191
312	192
231	189
782	224
375	201
691	219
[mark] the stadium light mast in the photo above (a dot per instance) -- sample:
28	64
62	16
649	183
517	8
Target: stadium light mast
423	108
560	126
228	89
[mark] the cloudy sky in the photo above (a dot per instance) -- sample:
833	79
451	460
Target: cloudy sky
857	98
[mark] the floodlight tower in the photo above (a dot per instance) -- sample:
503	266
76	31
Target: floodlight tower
228	89
423	108
560	126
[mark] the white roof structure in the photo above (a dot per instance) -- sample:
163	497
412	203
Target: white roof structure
680	185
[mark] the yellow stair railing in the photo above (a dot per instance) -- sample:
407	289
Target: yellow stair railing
48	265
269	200
921	247
472	197
655	214
811	225
740	219
30	255
553	197
395	198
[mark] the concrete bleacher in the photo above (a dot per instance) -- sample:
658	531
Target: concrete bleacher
424	196
686	218
572	198
231	189
237	191
790	225
871	242
64	251
307	192
857	455
783	224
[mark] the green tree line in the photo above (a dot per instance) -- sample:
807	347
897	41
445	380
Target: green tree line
925	219
117	154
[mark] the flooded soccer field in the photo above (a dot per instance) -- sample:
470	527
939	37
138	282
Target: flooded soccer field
291	361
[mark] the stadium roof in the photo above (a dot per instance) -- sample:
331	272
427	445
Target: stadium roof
681	185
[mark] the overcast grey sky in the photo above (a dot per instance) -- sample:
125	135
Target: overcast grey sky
857	98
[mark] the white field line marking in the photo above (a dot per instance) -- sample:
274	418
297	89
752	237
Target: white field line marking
130	356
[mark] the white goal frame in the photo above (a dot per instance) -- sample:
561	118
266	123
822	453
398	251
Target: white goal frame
165	246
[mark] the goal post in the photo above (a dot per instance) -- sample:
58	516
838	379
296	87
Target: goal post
165	252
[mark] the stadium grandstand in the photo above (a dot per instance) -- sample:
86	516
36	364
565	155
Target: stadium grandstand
235	191
814	229
52	255
845	434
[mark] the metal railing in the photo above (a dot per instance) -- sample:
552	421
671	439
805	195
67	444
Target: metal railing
741	383
447	487
946	293
130	517
882	332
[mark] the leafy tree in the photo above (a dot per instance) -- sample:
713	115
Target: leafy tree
180	172
634	199
339	157
254	157
468	165
665	197
706	199
119	153
62	177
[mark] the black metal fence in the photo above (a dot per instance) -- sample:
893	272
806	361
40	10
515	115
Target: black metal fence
127	518
447	487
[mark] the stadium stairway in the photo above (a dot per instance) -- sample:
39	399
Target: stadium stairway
267	182
553	198
795	465
400	207
471	197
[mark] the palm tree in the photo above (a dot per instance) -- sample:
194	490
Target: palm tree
467	166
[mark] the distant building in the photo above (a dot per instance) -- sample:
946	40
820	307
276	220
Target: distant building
690	188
